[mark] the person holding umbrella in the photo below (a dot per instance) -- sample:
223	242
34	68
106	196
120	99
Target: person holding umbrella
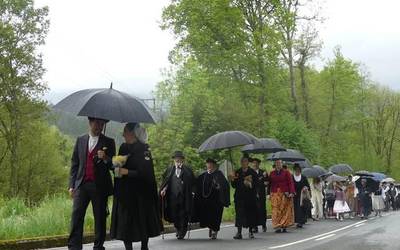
282	192
300	184
364	196
212	195
177	194
136	212
90	182
262	183
244	181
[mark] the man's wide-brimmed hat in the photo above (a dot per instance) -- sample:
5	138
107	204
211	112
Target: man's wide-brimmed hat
178	154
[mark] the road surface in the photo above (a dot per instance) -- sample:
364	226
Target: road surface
376	233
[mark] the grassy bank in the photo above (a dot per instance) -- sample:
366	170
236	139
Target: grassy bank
50	217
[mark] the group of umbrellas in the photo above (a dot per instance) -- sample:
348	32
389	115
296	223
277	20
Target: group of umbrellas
114	105
251	144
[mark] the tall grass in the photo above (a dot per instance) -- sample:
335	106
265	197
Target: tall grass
50	217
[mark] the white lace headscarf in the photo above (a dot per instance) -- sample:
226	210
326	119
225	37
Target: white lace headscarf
139	131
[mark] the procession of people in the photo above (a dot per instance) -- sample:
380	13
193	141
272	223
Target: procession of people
141	207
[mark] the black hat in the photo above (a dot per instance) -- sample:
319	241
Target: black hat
211	160
178	154
296	166
255	159
95	118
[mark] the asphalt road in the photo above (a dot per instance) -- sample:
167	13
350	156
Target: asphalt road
376	233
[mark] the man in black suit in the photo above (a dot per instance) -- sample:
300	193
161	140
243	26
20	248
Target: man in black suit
262	178
90	181
177	194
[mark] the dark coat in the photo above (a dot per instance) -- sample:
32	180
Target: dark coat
300	215
212	195
188	179
101	169
261	198
245	199
136	212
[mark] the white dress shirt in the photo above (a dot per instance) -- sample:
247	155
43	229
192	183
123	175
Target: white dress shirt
93	140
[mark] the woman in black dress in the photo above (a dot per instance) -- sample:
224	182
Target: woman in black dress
300	182
135	214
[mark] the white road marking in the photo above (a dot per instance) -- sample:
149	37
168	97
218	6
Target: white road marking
325	237
359	225
317	236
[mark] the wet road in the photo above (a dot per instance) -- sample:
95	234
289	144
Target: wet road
377	233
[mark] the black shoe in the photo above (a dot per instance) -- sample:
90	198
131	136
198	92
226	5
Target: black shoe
299	226
278	231
238	236
214	235
209	233
284	230
255	230
264	229
251	235
180	237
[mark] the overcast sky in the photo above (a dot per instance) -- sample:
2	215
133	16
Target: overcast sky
94	42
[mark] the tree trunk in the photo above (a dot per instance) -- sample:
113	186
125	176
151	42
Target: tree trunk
293	84
304	93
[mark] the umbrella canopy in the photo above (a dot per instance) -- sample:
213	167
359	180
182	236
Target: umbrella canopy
288	155
303	164
364	173
335	178
264	145
227	139
371	183
108	104
390	180
314	171
378	176
341	169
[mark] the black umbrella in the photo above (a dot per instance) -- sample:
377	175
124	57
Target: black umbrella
264	145
363	173
341	168
288	155
108	104
303	164
372	184
227	140
314	171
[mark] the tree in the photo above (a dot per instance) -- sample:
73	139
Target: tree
23	29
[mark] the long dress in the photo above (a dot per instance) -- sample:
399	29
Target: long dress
300	215
378	203
245	198
135	213
261	199
212	194
281	184
350	197
317	200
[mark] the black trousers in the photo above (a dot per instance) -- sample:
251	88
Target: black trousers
179	214
85	194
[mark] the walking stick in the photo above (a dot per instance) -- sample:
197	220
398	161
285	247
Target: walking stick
162	215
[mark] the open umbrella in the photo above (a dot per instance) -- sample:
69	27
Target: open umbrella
227	140
363	173
314	171
389	180
341	168
371	183
303	164
108	104
378	176
264	145
289	155
335	178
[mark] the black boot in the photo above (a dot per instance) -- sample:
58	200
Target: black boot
238	235
145	244
128	245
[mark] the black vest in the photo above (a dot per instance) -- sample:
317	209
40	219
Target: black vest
176	185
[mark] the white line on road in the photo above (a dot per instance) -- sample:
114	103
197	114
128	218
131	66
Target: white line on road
325	237
317	236
359	225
